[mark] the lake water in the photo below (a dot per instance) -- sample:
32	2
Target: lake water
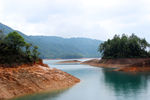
98	84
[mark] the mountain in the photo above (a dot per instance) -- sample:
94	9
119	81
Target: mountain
58	47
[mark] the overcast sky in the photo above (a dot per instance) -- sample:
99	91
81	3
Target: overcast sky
98	19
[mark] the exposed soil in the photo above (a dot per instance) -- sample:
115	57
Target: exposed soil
124	64
26	79
134	69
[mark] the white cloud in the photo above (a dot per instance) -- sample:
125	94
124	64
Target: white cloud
99	19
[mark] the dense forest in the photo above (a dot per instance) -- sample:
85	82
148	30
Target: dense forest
15	51
58	47
125	47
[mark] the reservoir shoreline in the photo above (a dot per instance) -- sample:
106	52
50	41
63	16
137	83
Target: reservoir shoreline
31	79
123	64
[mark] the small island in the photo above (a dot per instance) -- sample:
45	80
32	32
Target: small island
126	53
69	61
22	72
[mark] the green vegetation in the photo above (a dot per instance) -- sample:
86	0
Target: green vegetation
57	47
125	47
15	51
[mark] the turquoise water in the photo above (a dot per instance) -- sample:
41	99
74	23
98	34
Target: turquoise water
98	84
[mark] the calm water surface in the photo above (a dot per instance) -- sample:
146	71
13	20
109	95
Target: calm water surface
98	84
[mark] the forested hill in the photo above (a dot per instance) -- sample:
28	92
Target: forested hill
57	47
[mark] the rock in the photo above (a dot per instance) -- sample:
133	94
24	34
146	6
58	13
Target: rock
27	79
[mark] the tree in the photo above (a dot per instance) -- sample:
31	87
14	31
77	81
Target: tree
1	35
28	51
124	47
15	40
35	53
15	51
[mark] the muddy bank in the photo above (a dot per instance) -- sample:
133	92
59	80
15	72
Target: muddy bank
134	69
106	63
36	78
124	64
69	61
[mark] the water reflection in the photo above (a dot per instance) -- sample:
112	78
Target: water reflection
42	96
127	84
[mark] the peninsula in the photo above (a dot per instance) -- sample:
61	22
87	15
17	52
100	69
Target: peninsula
126	53
22	72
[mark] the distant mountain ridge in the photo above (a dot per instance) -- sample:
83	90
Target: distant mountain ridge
58	47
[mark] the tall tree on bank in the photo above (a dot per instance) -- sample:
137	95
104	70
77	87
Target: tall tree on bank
1	35
15	41
124	47
15	51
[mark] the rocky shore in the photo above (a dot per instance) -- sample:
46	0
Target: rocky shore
25	79
123	64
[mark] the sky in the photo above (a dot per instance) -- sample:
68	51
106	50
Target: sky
97	19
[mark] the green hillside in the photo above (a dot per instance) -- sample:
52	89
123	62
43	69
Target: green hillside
57	47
